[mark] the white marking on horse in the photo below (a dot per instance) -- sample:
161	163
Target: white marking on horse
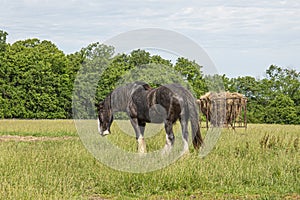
106	132
99	128
141	145
168	146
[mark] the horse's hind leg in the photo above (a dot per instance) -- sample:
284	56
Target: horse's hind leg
170	138
185	134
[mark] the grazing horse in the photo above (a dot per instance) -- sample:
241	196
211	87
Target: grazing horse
143	104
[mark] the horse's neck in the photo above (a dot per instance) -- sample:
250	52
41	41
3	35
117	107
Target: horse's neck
119	99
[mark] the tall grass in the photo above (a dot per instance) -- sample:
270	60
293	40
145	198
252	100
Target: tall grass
260	163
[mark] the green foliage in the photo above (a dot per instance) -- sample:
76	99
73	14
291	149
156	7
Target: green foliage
214	83
3	44
37	81
281	110
140	65
191	71
284	81
112	73
153	74
274	99
96	60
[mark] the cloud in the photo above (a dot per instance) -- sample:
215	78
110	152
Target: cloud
251	25
240	25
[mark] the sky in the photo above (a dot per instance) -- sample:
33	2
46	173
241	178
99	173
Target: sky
242	38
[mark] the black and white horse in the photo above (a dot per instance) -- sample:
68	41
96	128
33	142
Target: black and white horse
143	104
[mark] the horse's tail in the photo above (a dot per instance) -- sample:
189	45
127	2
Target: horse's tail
194	118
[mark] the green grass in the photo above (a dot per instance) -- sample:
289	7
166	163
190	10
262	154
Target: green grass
260	163
52	128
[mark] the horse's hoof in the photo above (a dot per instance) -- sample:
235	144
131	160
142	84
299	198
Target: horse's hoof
106	133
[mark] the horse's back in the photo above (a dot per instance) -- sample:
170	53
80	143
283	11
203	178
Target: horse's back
186	100
122	95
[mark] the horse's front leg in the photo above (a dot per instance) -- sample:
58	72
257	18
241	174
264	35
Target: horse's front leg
141	140
139	132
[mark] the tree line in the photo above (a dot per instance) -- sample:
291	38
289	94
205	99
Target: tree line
37	80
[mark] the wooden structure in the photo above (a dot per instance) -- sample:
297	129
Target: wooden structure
224	109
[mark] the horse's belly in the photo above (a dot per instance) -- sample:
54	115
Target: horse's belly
157	114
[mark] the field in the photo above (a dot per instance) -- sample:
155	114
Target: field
45	159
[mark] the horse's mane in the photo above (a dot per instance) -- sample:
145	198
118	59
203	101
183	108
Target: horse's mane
118	99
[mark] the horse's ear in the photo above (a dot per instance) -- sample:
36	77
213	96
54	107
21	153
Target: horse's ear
147	87
99	105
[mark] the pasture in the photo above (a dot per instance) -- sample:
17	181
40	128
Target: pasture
45	159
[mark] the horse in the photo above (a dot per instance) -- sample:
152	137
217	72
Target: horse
143	104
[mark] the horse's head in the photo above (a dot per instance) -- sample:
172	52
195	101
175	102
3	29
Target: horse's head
105	117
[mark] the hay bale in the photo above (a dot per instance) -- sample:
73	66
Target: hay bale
224	107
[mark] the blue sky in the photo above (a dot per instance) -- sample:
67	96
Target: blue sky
241	37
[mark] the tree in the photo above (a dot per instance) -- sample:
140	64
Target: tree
153	74
139	57
279	82
284	81
3	44
191	72
96	59
281	110
123	65
37	81
36	85
3	79
115	69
